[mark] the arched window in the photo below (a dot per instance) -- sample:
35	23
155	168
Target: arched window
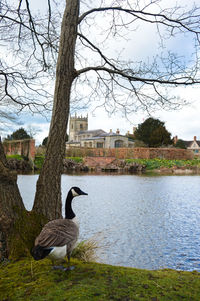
118	143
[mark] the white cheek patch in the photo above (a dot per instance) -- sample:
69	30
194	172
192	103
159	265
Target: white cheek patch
74	193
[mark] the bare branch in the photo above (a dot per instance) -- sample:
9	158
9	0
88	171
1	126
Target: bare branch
183	80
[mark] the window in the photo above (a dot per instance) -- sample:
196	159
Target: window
81	126
118	143
99	144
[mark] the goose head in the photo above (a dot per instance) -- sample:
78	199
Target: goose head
76	191
73	192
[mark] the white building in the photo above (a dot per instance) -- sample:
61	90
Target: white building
80	136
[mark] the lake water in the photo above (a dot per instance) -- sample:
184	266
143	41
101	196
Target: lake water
149	222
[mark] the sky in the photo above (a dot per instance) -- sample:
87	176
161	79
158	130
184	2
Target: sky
184	123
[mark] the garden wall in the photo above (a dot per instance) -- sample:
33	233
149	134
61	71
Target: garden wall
24	148
128	153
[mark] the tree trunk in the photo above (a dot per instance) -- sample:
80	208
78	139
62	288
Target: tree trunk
11	204
48	193
18	227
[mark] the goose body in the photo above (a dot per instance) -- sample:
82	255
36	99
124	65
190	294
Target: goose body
58	237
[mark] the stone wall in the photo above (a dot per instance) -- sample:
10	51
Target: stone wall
136	153
24	148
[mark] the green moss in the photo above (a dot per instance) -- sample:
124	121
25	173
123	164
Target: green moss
75	159
31	280
23	234
18	157
39	160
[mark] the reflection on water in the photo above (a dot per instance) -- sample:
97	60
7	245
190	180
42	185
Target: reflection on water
144	222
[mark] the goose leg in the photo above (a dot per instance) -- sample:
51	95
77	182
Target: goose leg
69	267
57	267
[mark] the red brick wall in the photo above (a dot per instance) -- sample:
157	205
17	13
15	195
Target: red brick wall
136	153
20	147
98	161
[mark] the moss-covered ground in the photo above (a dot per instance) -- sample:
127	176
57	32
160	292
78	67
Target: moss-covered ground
31	280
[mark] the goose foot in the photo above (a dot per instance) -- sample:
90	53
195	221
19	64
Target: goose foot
70	268
58	267
62	268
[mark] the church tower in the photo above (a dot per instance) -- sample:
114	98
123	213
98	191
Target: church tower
76	125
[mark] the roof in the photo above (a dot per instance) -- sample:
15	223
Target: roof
110	134
93	132
72	142
189	143
92	138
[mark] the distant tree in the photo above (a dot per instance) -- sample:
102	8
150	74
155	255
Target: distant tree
32	131
139	143
153	133
131	136
44	142
19	135
180	144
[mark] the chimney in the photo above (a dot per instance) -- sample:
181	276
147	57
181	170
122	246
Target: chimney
134	129
175	139
195	138
117	132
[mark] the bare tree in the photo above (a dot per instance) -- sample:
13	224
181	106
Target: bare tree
84	60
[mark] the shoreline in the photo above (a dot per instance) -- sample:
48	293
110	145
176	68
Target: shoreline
116	166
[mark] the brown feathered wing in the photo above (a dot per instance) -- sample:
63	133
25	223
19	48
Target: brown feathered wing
58	233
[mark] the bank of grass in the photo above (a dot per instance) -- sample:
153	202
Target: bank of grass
164	163
35	280
150	164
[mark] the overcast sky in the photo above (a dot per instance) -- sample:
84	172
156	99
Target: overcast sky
185	123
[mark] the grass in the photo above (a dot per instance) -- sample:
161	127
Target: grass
39	160
86	250
35	280
18	157
159	163
76	159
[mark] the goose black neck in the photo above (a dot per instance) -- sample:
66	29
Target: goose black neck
69	213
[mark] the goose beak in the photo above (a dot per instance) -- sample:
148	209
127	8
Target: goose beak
83	193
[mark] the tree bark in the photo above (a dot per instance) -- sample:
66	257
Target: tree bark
18	227
11	204
48	192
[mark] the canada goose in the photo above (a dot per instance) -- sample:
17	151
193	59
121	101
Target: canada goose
58	237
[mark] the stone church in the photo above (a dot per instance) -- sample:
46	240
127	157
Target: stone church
80	136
